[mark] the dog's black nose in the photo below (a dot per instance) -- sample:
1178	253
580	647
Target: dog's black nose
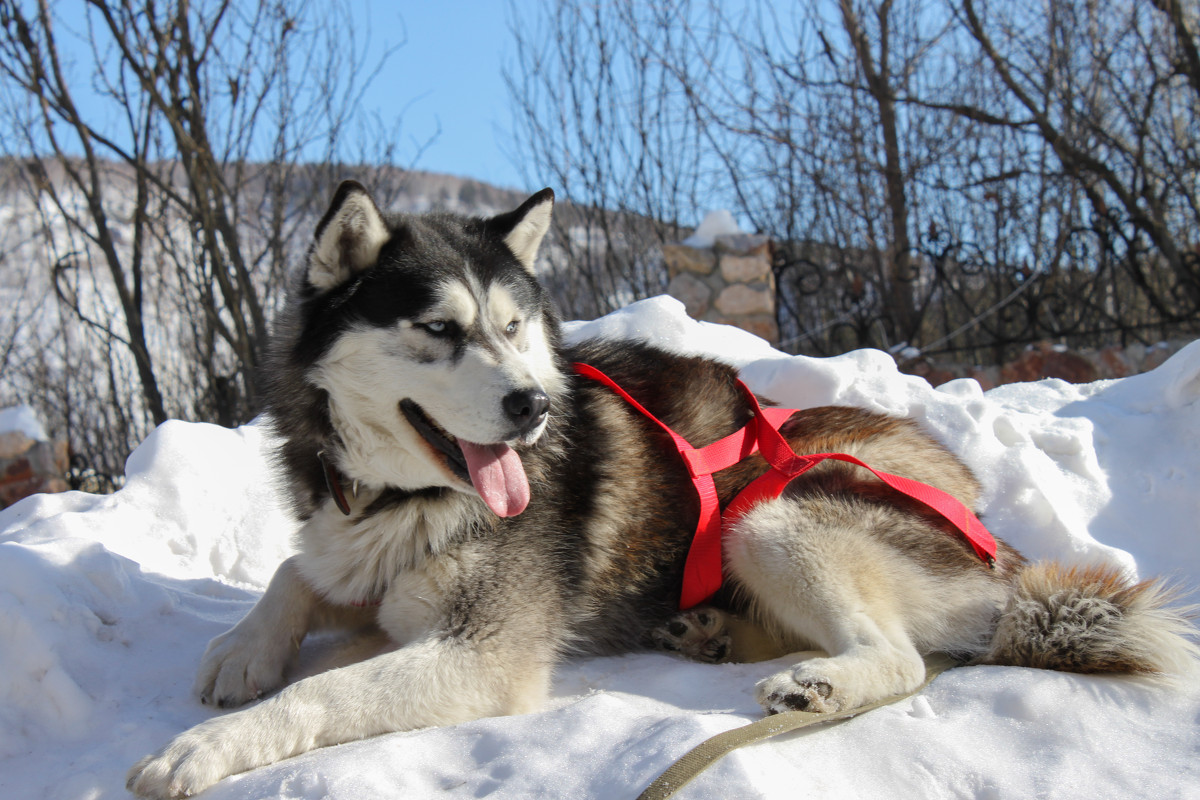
526	408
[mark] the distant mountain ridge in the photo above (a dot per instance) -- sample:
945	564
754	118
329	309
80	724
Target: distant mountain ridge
164	298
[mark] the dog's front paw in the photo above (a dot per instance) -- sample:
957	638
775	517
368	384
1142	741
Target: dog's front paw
191	762
698	633
239	666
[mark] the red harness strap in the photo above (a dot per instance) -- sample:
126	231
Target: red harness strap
702	570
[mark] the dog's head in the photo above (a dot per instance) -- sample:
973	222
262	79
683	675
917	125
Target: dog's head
434	342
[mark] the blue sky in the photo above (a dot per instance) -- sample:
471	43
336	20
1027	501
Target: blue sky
447	73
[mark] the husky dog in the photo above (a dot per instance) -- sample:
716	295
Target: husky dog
465	492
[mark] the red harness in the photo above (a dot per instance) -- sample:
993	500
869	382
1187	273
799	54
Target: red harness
702	570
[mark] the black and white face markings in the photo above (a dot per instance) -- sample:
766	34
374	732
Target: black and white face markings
484	353
468	315
438	354
475	365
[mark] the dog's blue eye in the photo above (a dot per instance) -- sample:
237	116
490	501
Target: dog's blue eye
512	327
438	327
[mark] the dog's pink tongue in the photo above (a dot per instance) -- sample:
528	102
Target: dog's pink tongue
498	476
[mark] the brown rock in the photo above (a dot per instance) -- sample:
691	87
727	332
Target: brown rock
13	444
741	299
17	470
1028	367
29	467
746	244
1070	367
1115	363
12	491
763	327
988	377
692	292
745	269
1156	357
924	368
1046	362
681	259
43	458
62	457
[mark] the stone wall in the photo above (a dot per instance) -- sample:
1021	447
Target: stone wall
28	466
730	282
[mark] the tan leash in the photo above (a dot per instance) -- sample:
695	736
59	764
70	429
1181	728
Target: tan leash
703	755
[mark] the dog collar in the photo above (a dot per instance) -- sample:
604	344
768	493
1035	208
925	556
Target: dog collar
334	483
702	572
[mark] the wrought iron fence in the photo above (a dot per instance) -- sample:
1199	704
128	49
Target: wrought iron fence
1108	287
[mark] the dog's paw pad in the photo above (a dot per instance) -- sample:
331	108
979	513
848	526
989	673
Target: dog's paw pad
698	634
785	692
807	696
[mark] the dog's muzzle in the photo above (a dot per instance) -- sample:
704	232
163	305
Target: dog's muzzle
493	469
526	409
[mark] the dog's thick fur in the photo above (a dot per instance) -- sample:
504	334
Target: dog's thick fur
409	338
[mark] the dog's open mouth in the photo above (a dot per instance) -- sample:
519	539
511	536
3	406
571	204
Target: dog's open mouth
495	470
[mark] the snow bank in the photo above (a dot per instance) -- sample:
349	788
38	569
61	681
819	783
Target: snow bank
106	604
23	419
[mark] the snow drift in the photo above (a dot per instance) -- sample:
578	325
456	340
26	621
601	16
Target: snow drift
107	602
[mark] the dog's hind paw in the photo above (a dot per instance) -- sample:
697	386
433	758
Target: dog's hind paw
829	685
698	633
784	692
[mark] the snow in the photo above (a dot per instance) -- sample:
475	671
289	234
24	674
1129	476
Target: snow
107	602
24	420
714	224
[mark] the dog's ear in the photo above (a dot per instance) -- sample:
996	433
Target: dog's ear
348	237
523	230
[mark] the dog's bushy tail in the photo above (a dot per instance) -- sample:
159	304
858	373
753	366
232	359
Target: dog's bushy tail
1091	619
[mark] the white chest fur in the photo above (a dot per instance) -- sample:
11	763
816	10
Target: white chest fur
355	559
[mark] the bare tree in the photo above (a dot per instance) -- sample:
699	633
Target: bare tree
1113	90
597	119
182	175
951	174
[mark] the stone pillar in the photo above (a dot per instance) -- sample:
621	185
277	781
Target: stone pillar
730	282
28	466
